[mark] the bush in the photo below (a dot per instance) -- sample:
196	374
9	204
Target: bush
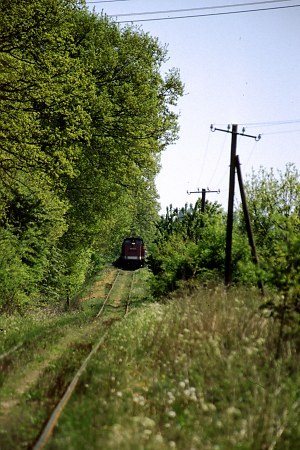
14	275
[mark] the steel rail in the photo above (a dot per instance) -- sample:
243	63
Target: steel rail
47	431
12	350
108	295
20	344
50	425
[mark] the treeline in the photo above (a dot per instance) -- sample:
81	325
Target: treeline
190	244
85	114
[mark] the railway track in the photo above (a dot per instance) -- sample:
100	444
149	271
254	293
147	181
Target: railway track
118	297
121	280
120	292
11	350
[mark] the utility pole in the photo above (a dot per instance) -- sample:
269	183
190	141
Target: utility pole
203	196
228	255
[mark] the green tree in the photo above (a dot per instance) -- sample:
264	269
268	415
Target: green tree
274	205
189	244
44	89
132	122
85	114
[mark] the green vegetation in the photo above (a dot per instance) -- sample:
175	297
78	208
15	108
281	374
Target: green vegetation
199	371
190	244
196	373
41	352
85	115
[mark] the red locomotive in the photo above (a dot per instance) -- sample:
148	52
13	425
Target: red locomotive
133	253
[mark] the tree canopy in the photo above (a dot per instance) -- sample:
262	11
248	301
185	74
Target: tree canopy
85	115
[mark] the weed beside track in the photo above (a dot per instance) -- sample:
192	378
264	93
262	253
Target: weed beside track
37	376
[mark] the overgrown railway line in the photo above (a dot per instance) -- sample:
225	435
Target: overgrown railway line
44	366
118	297
122	279
120	292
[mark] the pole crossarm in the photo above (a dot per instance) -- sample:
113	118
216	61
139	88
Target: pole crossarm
257	138
203	193
200	192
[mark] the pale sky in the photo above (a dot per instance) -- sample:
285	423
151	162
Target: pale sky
237	68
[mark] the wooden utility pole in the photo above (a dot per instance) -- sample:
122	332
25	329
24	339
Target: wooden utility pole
228	255
203	200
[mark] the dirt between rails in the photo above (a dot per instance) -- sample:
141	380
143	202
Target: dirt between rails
122	289
101	287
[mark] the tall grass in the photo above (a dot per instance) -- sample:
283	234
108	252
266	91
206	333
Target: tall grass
41	351
198	372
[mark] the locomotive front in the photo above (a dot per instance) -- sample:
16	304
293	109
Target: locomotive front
133	253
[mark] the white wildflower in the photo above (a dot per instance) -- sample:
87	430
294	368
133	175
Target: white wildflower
204	406
159	439
233	411
139	399
147	433
211	406
219	424
171	398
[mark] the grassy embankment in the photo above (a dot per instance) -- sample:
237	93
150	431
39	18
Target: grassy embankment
197	372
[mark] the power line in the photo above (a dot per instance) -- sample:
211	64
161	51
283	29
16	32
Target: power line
218	160
262	124
109	1
271	124
203	8
205	153
251	152
281	132
209	14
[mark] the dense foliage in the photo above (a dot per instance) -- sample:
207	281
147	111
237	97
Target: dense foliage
191	244
274	207
85	114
